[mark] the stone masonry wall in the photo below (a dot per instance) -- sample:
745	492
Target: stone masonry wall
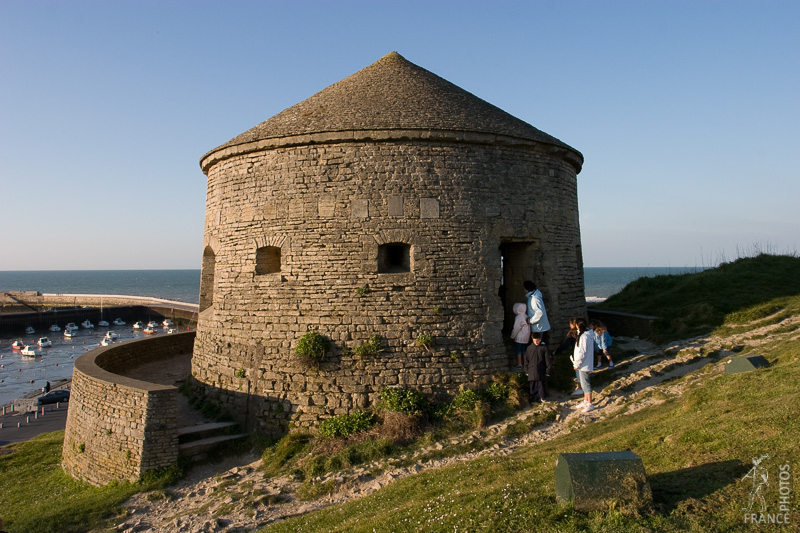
118	428
329	207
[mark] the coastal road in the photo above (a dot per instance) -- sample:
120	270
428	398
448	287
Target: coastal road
52	420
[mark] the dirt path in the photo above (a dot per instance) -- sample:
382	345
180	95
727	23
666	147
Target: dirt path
235	496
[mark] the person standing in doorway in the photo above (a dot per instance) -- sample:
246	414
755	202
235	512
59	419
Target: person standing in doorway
537	315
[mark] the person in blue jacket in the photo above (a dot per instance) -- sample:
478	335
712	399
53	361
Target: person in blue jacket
602	342
537	315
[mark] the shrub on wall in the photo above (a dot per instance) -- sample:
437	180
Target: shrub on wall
311	348
369	348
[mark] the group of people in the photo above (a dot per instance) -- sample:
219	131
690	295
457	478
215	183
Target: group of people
588	340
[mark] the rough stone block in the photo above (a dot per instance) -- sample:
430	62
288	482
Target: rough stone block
746	363
591	481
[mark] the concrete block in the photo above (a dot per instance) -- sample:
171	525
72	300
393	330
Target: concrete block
746	363
591	481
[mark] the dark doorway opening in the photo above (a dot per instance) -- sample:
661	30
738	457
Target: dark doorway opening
518	262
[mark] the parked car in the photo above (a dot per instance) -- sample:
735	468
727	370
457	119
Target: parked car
54	396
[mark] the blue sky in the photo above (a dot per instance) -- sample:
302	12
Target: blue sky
687	113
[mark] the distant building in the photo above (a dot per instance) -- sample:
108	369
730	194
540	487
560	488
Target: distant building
392	203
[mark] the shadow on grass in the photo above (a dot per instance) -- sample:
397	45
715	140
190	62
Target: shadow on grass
695	482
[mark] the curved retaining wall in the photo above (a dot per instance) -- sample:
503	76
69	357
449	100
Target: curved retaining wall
118	428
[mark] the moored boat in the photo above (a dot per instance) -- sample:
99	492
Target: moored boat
17	344
167	323
138	325
149	330
119	322
71	326
69	332
55	327
29	330
103	324
44	342
29	351
87	324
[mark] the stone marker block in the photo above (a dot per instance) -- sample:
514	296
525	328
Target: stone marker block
591	481
746	363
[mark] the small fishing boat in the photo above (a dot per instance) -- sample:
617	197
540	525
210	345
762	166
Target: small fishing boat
29	352
55	327
87	324
17	345
152	324
167	323
44	342
138	325
170	331
106	341
119	322
103	324
111	335
71	326
69	332
150	330
29	330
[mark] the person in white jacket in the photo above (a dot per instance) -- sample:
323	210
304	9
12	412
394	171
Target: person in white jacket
583	360
521	332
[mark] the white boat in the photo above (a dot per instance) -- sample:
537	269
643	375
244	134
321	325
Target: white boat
106	341
167	323
17	345
71	326
138	325
152	324
69	332
55	327
103	324
29	352
112	335
119	322
149	330
87	324
170	331
29	331
44	341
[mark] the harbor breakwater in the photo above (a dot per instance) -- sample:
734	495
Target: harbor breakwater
22	309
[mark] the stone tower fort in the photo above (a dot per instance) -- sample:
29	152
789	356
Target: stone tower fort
392	203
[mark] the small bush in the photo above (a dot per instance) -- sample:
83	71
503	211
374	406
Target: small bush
424	340
369	348
406	401
311	348
400	428
345	425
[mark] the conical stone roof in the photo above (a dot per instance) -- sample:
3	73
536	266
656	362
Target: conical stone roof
393	94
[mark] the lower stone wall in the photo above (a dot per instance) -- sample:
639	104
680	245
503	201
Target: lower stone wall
118	428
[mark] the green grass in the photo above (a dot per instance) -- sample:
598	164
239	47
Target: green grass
37	496
695	448
696	303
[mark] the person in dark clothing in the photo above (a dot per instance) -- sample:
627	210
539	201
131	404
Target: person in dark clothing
538	364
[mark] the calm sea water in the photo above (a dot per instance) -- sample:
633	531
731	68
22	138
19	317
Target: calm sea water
178	285
16	373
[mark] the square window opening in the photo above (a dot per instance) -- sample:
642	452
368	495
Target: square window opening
394	258
268	260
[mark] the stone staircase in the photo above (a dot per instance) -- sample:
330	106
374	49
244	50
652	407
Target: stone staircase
195	442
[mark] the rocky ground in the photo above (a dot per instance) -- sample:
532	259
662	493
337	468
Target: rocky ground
235	496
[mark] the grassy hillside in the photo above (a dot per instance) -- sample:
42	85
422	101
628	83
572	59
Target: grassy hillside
696	448
696	303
